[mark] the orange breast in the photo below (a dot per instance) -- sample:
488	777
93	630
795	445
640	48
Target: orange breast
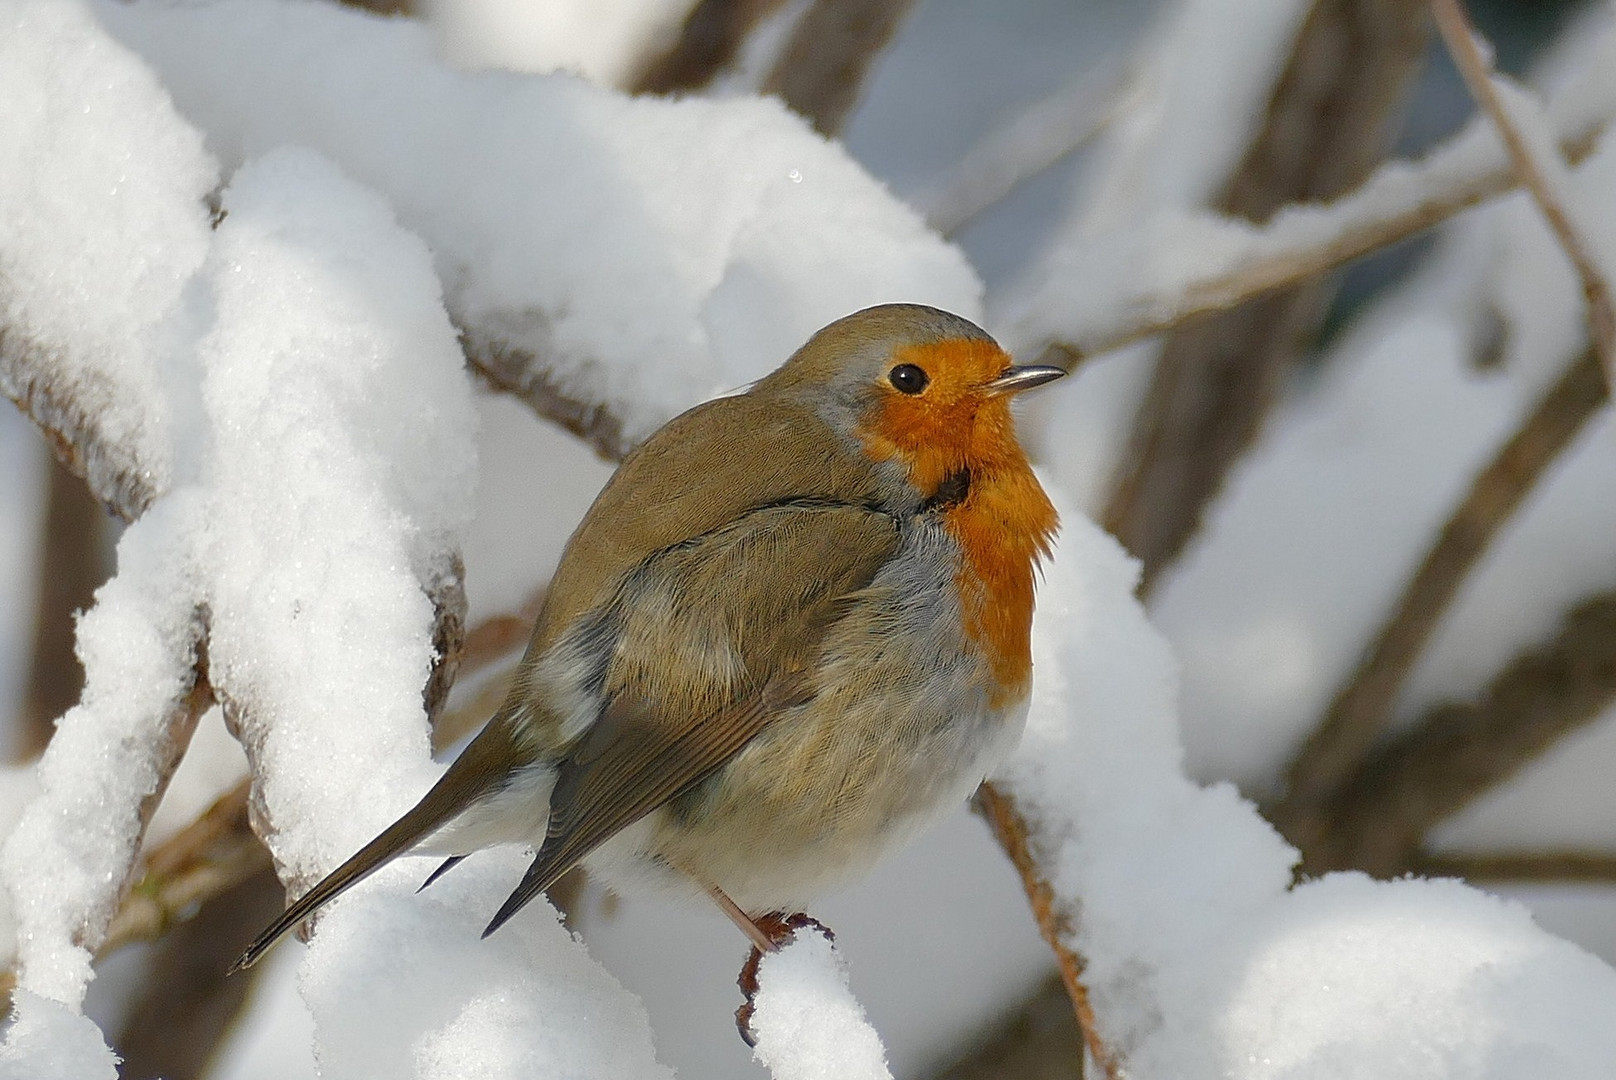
1003	527
1004	524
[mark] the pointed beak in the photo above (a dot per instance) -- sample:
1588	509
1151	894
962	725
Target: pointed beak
1013	380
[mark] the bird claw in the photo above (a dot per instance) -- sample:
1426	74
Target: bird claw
779	928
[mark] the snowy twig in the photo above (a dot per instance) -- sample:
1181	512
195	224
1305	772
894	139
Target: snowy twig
831	48
520	374
1535	174
1014	152
1325	130
1358	715
115	473
708	42
1010	830
1379	819
1594	867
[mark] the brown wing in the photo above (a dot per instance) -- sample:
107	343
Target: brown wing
716	635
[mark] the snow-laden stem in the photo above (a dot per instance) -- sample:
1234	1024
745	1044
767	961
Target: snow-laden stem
1302	241
1010	830
1359	713
1461	39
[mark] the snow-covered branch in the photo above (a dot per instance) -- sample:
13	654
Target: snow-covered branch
1538	163
1112	290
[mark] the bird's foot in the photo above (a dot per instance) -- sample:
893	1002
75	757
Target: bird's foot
776	929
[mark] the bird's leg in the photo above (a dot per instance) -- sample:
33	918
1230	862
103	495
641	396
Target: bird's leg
760	939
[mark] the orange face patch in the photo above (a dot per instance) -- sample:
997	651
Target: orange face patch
1004	524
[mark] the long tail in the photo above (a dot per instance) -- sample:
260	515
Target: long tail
396	839
481	768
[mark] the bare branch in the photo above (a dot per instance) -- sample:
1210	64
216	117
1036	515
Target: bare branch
520	374
1010	830
1378	820
823	65
1358	715
72	562
1553	867
1535	173
1327	126
709	42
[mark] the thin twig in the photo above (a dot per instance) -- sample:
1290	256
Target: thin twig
1554	867
831	49
1010	830
1461	39
1358	714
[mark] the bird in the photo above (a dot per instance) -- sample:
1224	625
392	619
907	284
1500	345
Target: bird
791	632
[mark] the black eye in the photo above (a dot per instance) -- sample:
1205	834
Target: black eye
909	379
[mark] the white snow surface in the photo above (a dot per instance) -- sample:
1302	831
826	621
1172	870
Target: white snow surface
807	1024
652	253
102	223
603	40
1201	963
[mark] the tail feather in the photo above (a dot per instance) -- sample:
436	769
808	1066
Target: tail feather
443	868
481	768
394	841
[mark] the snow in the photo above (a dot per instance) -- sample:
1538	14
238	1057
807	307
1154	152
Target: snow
102	223
299	412
64	863
403	985
806	1022
1200	960
603	40
651	252
49	1041
340	460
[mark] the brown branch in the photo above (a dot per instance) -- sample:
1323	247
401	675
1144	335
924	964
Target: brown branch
116	474
708	42
519	373
1552	867
1010	830
823	65
72	563
1358	714
1327	126
1462	43
1378	820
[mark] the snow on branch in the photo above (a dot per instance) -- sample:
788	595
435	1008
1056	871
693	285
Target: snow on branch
613	260
1537	161
1096	293
102	224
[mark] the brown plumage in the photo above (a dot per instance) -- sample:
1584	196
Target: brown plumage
792	629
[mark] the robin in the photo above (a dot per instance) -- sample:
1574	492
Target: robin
792	630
